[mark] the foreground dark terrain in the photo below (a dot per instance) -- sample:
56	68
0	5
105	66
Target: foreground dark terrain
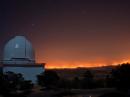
107	81
72	93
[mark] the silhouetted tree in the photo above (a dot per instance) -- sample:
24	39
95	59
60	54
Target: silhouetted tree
48	79
88	81
11	83
121	77
65	83
76	83
99	83
109	81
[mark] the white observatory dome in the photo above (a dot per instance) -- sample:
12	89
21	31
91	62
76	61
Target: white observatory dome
18	51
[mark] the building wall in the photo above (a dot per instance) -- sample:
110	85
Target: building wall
29	73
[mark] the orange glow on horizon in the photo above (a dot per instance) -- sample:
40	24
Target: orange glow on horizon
62	65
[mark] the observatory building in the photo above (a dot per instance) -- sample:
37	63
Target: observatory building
19	57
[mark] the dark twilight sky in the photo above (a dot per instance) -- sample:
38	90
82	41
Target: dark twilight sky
70	33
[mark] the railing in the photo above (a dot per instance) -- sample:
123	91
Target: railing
19	63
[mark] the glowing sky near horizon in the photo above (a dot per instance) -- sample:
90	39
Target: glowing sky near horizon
70	33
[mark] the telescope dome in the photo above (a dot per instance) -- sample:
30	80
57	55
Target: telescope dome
18	51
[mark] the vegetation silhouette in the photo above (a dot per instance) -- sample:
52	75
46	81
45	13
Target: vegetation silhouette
76	83
88	81
118	80
51	80
12	84
48	79
121	77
